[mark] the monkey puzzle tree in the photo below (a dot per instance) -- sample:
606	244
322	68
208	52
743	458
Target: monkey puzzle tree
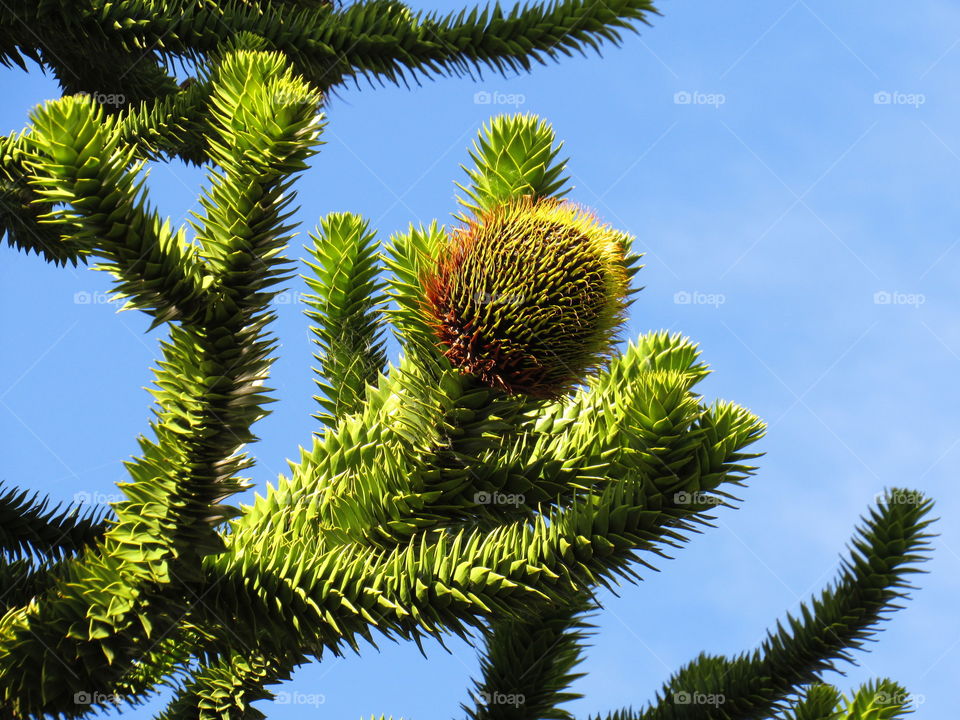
511	462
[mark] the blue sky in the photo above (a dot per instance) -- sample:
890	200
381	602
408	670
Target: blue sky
791	171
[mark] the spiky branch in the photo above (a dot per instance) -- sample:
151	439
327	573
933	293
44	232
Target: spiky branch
509	464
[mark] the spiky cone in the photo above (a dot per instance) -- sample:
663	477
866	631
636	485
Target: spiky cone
529	297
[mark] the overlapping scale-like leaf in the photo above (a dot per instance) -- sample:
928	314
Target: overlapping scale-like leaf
346	309
101	610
